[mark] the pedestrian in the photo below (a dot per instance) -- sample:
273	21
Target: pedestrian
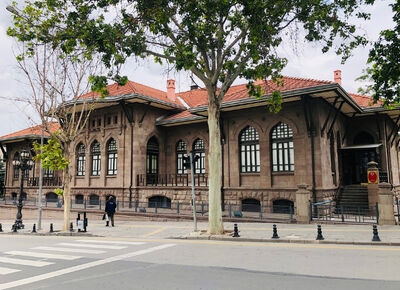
110	211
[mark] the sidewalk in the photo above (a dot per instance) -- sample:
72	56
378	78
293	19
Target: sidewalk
249	232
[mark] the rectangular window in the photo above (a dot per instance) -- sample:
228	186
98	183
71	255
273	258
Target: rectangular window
282	156
96	165
48	173
81	165
115	119
112	163
109	120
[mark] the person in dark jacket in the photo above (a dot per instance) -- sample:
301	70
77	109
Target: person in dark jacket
110	210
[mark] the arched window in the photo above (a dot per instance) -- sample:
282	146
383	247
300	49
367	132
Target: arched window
282	148
96	158
283	206
81	160
51	197
15	168
94	199
249	150
251	204
79	199
112	157
199	150
159	201
181	151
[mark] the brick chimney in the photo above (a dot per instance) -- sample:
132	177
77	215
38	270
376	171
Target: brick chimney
171	90
337	76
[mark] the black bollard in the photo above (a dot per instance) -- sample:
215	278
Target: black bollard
235	231
1	228
275	232
375	238
51	228
71	227
319	233
34	228
14	228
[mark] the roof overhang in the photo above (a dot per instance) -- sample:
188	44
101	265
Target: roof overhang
21	138
329	92
98	103
182	121
365	146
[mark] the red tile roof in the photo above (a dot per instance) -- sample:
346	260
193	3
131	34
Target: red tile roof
181	115
365	101
132	88
32	131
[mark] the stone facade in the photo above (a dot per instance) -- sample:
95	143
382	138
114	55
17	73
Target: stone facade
315	152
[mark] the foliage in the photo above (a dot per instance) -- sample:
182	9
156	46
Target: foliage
384	64
59	191
51	155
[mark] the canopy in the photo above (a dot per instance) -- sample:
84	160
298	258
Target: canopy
365	146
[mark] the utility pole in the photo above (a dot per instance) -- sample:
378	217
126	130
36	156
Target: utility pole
39	227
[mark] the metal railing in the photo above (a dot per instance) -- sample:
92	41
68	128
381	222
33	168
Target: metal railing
255	212
328	211
200	179
47	181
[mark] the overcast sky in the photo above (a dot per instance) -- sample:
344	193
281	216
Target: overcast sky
308	62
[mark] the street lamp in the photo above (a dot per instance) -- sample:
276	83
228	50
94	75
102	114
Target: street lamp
24	162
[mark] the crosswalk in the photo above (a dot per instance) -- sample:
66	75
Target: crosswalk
42	256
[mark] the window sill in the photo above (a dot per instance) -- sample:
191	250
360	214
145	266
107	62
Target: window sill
250	174
111	176
80	176
95	176
282	173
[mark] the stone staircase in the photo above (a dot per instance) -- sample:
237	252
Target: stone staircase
353	198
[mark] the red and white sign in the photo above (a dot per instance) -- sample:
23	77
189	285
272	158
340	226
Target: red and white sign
373	176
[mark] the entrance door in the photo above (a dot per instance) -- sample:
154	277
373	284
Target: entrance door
355	165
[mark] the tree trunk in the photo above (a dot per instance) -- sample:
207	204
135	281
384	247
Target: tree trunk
67	193
215	225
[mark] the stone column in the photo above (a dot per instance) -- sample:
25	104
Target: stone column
303	196
385	204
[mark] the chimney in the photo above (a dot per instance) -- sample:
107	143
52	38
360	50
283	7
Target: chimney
171	90
337	76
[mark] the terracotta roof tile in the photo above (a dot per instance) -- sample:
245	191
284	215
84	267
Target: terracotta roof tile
184	114
132	88
31	131
365	101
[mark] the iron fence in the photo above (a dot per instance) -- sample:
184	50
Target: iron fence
330	212
200	179
249	211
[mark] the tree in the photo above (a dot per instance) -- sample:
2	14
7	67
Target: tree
384	64
217	40
56	80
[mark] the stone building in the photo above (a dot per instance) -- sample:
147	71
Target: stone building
134	144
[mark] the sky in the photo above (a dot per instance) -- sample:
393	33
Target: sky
305	60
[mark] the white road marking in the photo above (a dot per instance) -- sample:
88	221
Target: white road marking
42	255
24	262
92	246
70	250
5	271
110	242
81	267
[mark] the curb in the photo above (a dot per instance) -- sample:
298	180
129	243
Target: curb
67	234
288	241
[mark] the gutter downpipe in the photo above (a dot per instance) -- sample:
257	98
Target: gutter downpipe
131	168
311	133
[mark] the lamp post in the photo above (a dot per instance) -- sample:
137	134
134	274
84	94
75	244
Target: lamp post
24	162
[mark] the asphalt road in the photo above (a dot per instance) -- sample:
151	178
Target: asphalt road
33	262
